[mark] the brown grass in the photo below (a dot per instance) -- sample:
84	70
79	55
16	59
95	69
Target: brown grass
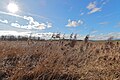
59	60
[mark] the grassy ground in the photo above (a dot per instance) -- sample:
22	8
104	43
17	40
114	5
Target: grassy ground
59	60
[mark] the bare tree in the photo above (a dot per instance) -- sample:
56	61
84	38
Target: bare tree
11	38
5	37
110	38
38	38
53	36
30	39
18	38
75	36
86	39
63	36
56	36
2	37
71	36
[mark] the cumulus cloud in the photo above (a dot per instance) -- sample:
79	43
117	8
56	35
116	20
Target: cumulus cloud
92	6
74	23
37	25
4	21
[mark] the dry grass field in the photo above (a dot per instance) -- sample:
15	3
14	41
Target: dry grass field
59	60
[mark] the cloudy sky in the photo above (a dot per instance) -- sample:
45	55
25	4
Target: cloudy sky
95	17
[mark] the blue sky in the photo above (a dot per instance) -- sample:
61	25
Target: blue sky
94	17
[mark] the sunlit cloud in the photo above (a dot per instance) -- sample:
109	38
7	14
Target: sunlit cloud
94	10
92	6
96	6
73	23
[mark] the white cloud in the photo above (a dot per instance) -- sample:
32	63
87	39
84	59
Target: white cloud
28	26
32	23
36	24
15	25
49	25
41	26
4	21
74	23
94	10
93	7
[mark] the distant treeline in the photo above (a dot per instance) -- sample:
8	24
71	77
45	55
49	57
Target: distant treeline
19	38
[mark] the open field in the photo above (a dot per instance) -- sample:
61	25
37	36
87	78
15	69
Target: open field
59	60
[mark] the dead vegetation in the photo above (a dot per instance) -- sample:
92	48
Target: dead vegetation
59	60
